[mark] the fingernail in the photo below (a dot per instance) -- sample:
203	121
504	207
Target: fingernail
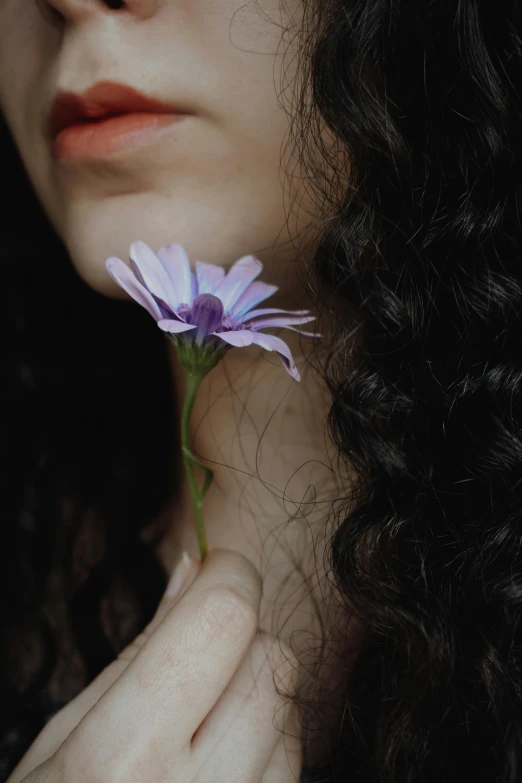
179	575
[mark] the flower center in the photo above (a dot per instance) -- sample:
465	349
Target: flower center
207	313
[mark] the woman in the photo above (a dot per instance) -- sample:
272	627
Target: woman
368	154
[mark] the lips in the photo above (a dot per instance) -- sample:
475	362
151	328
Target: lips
105	99
108	118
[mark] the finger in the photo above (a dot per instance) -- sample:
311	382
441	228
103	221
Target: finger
178	675
62	724
178	583
237	739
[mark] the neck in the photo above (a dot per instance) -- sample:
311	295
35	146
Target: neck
263	435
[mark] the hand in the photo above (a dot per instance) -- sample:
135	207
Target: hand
191	700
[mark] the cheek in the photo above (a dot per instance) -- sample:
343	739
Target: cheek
27	42
260	27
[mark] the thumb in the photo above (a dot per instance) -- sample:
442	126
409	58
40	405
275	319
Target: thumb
56	731
180	580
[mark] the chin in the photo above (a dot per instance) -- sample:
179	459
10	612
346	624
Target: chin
88	252
89	263
93	233
95	275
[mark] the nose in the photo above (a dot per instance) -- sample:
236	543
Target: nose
75	10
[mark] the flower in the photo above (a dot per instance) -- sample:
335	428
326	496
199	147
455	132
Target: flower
209	310
205	313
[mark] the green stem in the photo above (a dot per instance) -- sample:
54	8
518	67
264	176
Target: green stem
190	461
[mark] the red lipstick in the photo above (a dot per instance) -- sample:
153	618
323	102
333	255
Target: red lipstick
107	118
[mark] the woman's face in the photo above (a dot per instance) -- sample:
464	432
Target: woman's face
213	181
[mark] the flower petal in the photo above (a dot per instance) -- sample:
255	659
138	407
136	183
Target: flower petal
304	334
272	343
155	277
193	286
176	263
240	276
239	339
273	311
209	277
255	293
174	327
166	310
289	320
124	277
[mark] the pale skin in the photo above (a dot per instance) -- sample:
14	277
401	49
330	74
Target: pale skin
215	187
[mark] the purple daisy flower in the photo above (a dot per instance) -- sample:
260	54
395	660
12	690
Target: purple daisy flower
211	309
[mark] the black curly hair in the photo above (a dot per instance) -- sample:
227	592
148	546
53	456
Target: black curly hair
419	274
